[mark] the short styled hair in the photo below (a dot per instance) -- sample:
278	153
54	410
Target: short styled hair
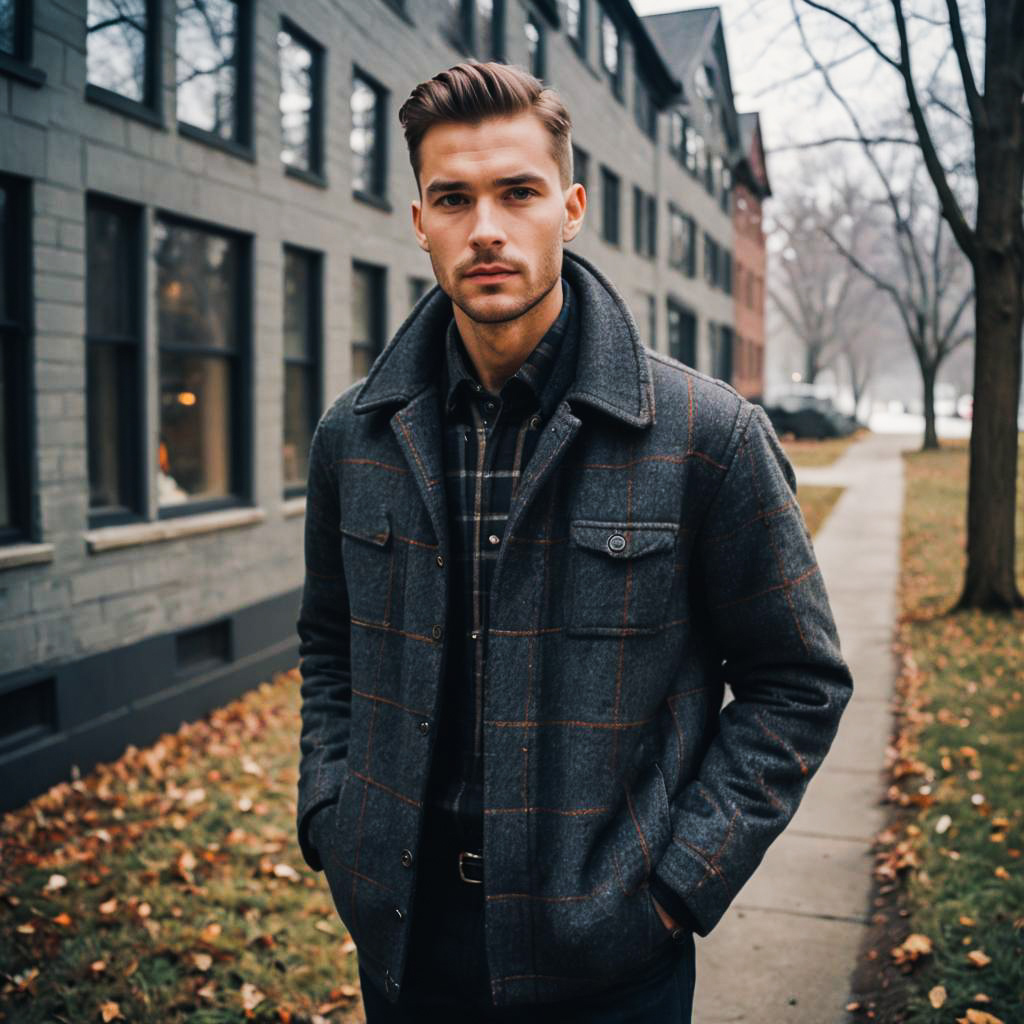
472	91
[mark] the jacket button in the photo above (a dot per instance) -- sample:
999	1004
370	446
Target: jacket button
616	542
406	858
437	632
399	916
677	934
440	561
424	727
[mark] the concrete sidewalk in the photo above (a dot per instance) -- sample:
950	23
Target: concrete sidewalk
786	948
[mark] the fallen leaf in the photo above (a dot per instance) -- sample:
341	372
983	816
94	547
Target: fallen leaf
979	958
324	926
56	882
937	996
26	929
111	1011
203	961
210	932
208	991
1001	872
912	947
286	871
979	1017
942	825
109	906
63	919
967	922
98	966
251	996
347	946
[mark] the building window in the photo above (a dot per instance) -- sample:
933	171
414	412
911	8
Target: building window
121	51
580	166
301	103
213	70
202	331
610	206
652	321
15	303
369	297
611	52
644	110
113	337
677	137
682	334
726	193
576	25
302	333
721	351
711	268
682	242
477	27
696	155
725	267
368	138
16	42
418	287
645	223
535	45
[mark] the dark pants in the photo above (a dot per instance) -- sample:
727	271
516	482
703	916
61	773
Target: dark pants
446	977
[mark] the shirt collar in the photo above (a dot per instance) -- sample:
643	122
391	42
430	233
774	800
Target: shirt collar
536	375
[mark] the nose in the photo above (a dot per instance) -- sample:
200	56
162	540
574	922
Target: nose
487	231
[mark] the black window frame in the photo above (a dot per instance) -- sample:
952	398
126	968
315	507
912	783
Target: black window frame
16	341
723	351
581	166
19	65
418	286
711	257
314	358
611	212
464	35
243	414
616	78
242	144
725	259
579	41
688	265
151	108
645	110
378	309
379	196
645	224
132	403
538	61
686	349
316	174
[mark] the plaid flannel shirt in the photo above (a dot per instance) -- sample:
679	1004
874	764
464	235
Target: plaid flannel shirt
488	443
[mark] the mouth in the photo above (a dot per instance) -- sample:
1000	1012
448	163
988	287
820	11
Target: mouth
490	275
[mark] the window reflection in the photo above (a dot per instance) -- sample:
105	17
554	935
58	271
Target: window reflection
116	46
365	138
198	297
301	353
207	73
8	31
297	97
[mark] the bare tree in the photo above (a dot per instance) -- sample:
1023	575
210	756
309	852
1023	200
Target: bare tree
815	289
994	245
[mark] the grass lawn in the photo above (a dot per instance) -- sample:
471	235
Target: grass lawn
816	503
952	855
819	453
168	886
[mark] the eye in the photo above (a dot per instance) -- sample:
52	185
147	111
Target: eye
524	192
450	195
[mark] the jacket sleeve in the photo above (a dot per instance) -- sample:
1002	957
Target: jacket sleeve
768	617
323	628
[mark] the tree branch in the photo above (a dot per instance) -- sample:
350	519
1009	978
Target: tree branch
974	103
856	28
876	140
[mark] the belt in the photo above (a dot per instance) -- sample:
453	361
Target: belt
473	863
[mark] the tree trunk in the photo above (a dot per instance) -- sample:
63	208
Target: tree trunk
811	364
929	371
990	581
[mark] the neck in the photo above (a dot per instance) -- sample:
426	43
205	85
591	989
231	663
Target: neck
498	350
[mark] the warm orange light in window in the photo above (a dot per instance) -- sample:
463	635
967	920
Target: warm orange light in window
186	398
174	289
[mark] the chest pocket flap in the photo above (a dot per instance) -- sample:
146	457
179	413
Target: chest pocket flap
621	576
367	551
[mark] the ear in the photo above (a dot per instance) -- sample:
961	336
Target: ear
417	215
575	209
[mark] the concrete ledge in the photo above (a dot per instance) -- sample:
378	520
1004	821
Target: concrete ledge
14	555
109	538
293	507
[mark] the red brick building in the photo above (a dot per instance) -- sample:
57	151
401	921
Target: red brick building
750	191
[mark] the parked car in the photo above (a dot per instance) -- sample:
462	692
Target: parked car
804	416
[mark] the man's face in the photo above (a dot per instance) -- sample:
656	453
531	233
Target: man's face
493	215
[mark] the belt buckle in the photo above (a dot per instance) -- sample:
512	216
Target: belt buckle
469	855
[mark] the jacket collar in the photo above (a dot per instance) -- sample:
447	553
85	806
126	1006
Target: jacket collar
612	373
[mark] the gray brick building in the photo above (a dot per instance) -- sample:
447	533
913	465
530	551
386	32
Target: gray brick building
204	237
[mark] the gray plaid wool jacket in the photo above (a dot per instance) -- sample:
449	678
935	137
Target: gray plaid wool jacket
654	553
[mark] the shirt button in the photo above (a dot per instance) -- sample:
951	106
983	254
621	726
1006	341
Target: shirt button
616	542
494	539
437	632
399	916
489	406
535	423
424	727
406	858
440	561
475	635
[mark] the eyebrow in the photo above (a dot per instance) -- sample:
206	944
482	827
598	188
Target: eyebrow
436	187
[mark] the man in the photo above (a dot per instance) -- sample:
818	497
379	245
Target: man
535	554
